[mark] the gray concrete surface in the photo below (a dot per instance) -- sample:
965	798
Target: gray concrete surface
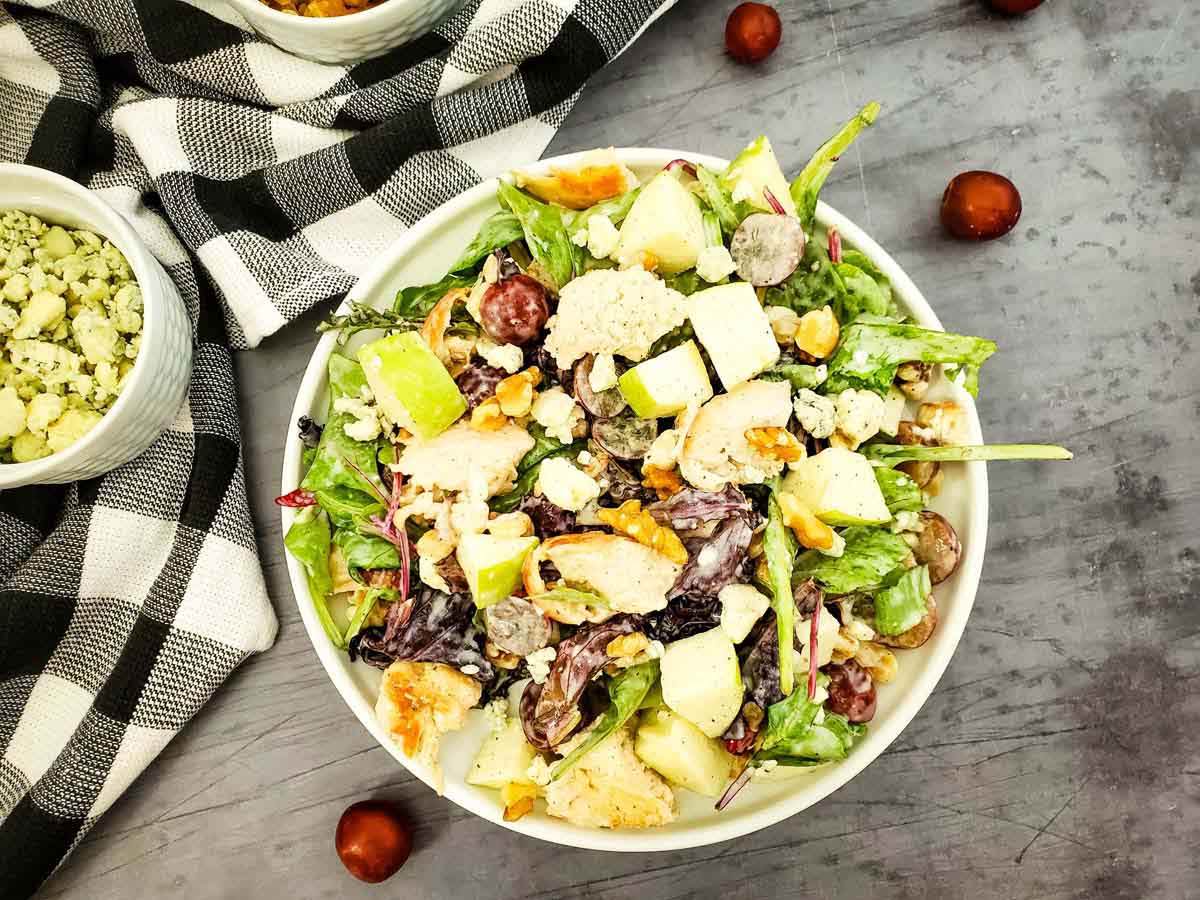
1058	757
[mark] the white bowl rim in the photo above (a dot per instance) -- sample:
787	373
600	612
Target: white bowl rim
644	840
145	269
317	23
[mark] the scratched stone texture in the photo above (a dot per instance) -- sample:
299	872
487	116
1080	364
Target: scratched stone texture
1059	756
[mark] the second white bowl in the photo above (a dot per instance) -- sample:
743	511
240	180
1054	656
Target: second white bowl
346	39
154	391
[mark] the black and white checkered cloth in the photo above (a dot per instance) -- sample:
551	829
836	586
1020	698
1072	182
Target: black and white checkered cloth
264	184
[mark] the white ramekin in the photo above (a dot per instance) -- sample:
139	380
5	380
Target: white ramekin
346	39
155	389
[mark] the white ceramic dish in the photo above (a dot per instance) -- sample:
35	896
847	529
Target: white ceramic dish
422	255
155	390
346	39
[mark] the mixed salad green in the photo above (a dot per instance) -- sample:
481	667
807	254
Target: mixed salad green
655	457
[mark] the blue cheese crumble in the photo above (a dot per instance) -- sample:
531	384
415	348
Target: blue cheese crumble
70	331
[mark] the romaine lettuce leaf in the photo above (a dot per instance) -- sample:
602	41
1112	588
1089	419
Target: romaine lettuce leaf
814	284
416	302
545	233
807	185
719	200
308	540
687	283
615	208
779	548
829	741
857	258
900	492
863	295
902	605
365	605
798	375
712	229
870	554
894	454
869	354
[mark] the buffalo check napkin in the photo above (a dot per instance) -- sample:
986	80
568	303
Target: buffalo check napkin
265	184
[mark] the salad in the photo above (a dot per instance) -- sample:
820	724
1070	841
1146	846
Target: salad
653	458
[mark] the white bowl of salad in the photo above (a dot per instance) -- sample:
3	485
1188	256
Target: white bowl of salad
588	446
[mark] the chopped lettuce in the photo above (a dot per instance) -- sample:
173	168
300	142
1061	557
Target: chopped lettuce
779	548
863	295
544	447
417	301
615	208
346	506
902	605
626	692
308	540
870	554
712	229
498	230
365	551
798	375
790	718
829	741
365	605
807	185
857	258
341	461
719	200
900	492
794	737
545	233
814	284
894	454
687	283
869	354
510	500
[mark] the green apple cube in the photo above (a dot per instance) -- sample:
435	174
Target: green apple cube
410	384
734	329
664	222
493	565
504	757
668	383
758	168
893	411
840	487
741	606
702	681
682	753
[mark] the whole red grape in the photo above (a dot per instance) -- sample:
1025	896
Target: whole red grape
1014	7
372	840
980	206
514	309
752	32
851	691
